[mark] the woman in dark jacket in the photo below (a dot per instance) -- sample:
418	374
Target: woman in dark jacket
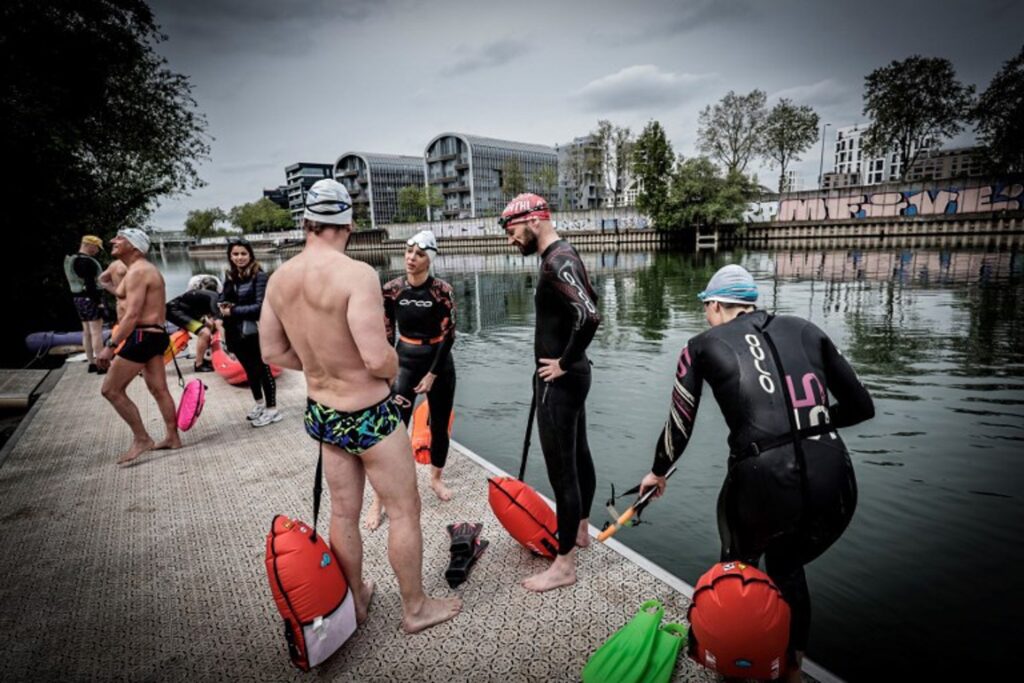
244	286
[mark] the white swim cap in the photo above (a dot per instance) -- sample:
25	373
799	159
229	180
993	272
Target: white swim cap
425	240
135	237
732	284
328	202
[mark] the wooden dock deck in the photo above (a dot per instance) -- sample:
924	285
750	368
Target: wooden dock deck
156	572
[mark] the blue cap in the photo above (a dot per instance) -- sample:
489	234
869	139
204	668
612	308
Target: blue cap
732	284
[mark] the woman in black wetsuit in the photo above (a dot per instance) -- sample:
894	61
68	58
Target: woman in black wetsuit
244	286
790	490
420	315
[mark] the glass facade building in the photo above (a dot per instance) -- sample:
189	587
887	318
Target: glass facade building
469	171
374	181
298	179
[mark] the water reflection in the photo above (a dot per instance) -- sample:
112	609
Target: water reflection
934	334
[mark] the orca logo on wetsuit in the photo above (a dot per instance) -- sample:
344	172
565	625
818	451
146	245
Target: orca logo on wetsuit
764	377
415	302
566	274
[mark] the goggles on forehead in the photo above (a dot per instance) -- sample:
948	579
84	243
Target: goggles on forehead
321	208
505	220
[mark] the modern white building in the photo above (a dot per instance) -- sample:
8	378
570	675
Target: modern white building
850	161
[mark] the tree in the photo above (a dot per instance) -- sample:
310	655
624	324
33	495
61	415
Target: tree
1000	117
700	196
788	131
261	216
413	202
513	182
730	131
913	104
202	222
653	160
547	181
582	166
97	121
615	144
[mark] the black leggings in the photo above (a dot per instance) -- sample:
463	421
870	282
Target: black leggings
562	426
414	363
762	510
261	382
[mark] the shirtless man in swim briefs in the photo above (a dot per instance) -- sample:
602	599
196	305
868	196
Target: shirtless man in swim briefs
324	315
140	302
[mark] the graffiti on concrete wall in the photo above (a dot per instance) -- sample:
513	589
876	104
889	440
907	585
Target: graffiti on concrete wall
854	203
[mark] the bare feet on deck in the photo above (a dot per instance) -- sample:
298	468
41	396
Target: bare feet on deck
363	599
583	535
432	611
171	443
442	491
562	572
373	515
137	449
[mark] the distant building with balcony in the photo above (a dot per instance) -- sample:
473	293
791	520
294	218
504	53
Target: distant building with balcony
960	162
850	157
469	170
298	179
278	195
579	175
835	181
374	181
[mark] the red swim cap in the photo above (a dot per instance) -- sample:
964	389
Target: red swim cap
739	622
526	204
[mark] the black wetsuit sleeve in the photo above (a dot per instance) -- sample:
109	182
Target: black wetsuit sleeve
390	321
86	269
853	402
447	302
682	414
572	286
252	311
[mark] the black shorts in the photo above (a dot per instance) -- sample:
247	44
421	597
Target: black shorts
87	308
144	343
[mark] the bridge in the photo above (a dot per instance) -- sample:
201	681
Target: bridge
170	238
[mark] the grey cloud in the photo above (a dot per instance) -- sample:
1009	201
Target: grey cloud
484	57
824	93
640	87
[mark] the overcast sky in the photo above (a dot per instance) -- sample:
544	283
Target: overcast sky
282	81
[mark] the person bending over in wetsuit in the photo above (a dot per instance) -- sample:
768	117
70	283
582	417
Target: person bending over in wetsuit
422	308
324	315
567	320
141	296
82	271
195	311
790	490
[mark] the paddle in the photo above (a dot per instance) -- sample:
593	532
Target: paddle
627	517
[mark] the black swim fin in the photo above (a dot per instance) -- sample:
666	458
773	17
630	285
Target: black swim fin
463	535
466	547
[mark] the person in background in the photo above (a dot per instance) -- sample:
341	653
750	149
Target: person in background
245	285
195	311
789	491
420	315
82	271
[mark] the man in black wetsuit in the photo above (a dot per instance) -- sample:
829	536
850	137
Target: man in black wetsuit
567	320
195	311
790	490
82	271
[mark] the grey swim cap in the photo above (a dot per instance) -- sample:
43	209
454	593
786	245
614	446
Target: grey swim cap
732	284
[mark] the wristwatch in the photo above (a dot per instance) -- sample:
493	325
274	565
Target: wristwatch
111	344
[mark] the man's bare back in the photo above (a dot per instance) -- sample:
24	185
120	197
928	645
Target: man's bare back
311	295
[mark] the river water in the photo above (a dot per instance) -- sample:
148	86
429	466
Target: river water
922	581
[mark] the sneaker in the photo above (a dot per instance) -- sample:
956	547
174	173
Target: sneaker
267	417
204	367
256	411
92	368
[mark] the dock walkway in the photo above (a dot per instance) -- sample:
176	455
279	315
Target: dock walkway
156	572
